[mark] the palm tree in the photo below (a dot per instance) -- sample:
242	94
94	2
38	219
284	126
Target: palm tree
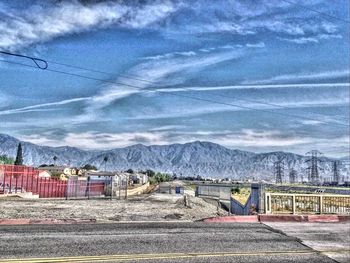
54	160
105	160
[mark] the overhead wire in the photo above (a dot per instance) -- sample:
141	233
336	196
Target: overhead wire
188	89
180	95
316	11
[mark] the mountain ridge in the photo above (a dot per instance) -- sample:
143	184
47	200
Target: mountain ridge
192	158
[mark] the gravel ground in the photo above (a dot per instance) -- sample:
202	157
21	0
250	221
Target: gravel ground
153	207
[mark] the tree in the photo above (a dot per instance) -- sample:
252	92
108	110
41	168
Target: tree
55	159
150	172
89	167
236	190
19	156
130	171
105	160
4	159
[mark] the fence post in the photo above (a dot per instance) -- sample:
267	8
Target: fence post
22	176
267	203
66	190
88	187
112	188
293	204
3	185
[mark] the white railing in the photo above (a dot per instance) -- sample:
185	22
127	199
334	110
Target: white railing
280	203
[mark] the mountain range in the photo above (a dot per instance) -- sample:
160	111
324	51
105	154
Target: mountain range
194	158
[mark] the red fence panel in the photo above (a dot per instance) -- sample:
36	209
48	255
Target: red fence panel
20	179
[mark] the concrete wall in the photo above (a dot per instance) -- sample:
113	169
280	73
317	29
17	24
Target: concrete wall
254	204
220	192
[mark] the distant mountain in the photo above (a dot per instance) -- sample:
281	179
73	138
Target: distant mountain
194	158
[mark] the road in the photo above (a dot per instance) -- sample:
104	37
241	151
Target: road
152	242
320	236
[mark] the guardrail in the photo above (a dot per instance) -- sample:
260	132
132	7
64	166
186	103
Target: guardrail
279	203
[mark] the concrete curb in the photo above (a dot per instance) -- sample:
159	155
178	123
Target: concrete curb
235	219
222	219
279	218
45	221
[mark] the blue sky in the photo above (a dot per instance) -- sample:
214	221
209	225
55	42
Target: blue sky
287	67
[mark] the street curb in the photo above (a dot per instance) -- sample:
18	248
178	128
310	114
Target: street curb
279	218
14	221
45	221
232	219
80	221
283	218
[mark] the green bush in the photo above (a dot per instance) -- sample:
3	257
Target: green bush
4	159
236	190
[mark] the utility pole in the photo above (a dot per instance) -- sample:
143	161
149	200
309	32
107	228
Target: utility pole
279	171
314	176
292	176
126	186
336	177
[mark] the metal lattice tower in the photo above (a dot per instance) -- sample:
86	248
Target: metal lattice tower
336	177
279	171
292	176
314	176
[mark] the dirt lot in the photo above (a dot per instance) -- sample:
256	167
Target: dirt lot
153	207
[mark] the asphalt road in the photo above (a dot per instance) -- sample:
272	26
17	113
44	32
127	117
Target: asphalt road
152	242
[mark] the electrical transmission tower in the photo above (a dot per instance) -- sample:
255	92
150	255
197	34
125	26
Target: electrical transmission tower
292	176
336	177
314	176
279	171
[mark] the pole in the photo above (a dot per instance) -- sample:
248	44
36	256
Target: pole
88	187
126	187
112	183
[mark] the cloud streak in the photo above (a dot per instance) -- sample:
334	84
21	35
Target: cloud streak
293	78
41	23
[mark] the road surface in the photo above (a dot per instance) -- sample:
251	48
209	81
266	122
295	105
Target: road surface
152	242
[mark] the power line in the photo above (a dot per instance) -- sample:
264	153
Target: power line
181	95
156	83
316	11
101	72
35	60
263	103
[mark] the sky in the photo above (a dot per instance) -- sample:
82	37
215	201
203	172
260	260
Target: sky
262	75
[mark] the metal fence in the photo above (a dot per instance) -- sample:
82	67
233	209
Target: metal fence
15	179
278	203
87	187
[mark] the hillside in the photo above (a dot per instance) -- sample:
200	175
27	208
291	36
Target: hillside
194	158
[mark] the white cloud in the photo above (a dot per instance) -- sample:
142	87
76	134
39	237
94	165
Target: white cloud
155	71
94	140
257	86
249	138
42	23
38	107
314	39
326	75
